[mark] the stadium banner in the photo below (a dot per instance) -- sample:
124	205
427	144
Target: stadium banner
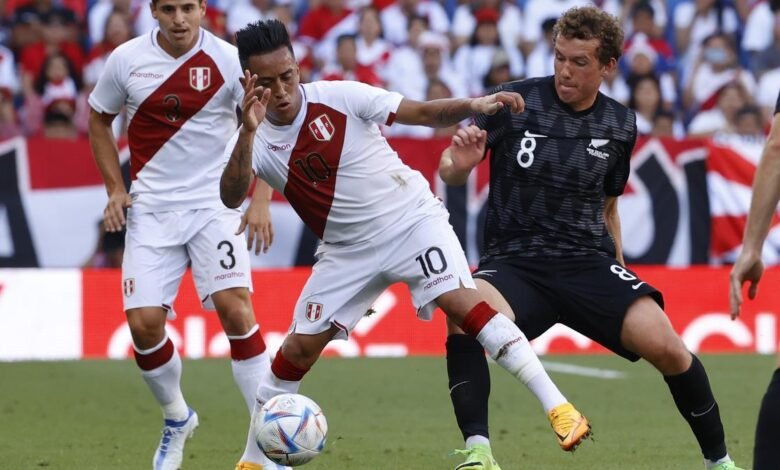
685	203
73	314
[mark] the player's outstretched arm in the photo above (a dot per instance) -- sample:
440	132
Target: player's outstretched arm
446	112
464	153
257	219
763	203
106	154
237	175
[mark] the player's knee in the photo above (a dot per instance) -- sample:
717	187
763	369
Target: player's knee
237	317
146	334
670	356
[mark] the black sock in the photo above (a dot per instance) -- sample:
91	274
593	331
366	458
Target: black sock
693	396
469	379
765	454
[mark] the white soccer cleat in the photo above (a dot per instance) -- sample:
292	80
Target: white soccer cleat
170	452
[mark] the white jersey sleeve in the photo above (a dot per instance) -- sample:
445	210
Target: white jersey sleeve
372	103
110	92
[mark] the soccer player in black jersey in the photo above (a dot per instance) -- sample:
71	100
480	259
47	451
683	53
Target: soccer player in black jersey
556	172
749	268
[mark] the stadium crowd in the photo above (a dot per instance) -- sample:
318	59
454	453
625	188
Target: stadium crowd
690	67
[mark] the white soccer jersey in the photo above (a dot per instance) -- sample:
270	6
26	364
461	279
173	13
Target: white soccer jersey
181	113
335	167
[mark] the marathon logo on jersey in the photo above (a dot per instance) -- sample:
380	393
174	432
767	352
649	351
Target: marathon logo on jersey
200	78
595	144
322	129
128	286
313	311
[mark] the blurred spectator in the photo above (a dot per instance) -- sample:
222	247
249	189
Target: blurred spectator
716	66
372	49
137	11
769	57
405	68
55	90
664	125
347	66
645	30
615	86
646	99
722	118
9	124
642	59
758	27
395	18
215	22
541	60
117	31
509	24
434	53
57	38
243	13
9	81
749	123
472	61
499	71
29	18
658	19
695	20
322	25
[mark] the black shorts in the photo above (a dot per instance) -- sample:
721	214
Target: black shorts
590	294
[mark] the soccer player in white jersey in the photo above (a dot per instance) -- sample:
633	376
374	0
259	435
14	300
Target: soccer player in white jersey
319	144
181	86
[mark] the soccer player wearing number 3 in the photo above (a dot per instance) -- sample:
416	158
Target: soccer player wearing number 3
319	144
556	172
181	86
749	268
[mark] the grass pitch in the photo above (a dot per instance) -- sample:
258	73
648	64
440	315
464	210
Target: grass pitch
382	414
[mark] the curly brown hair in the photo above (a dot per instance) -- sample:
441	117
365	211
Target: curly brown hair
592	23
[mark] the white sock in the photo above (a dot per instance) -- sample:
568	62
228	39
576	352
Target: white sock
269	387
708	464
477	440
165	384
247	374
509	347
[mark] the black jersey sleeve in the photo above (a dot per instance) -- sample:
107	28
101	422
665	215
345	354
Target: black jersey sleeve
495	124
615	180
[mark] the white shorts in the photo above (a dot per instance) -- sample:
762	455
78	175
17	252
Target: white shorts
160	245
423	252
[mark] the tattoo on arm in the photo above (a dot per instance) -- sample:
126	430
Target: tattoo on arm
237	175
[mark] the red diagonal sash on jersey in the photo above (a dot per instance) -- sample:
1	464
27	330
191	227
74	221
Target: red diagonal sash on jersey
313	164
171	105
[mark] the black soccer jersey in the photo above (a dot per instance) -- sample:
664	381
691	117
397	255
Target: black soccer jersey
777	106
550	170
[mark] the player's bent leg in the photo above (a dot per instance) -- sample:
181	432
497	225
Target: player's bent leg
247	348
160	366
297	355
683	373
509	347
765	454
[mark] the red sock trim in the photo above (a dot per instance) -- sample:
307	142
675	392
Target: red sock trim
477	318
247	348
155	359
286	370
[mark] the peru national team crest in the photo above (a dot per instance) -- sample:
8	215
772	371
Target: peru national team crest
128	286
322	128
313	311
200	78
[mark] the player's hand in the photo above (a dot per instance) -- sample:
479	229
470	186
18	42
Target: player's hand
255	102
259	230
467	148
747	268
491	104
114	213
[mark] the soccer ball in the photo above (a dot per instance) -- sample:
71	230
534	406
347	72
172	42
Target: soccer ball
291	429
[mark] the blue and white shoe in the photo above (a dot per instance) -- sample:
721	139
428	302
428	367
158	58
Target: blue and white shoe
170	452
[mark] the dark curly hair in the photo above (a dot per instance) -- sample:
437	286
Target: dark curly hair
592	23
